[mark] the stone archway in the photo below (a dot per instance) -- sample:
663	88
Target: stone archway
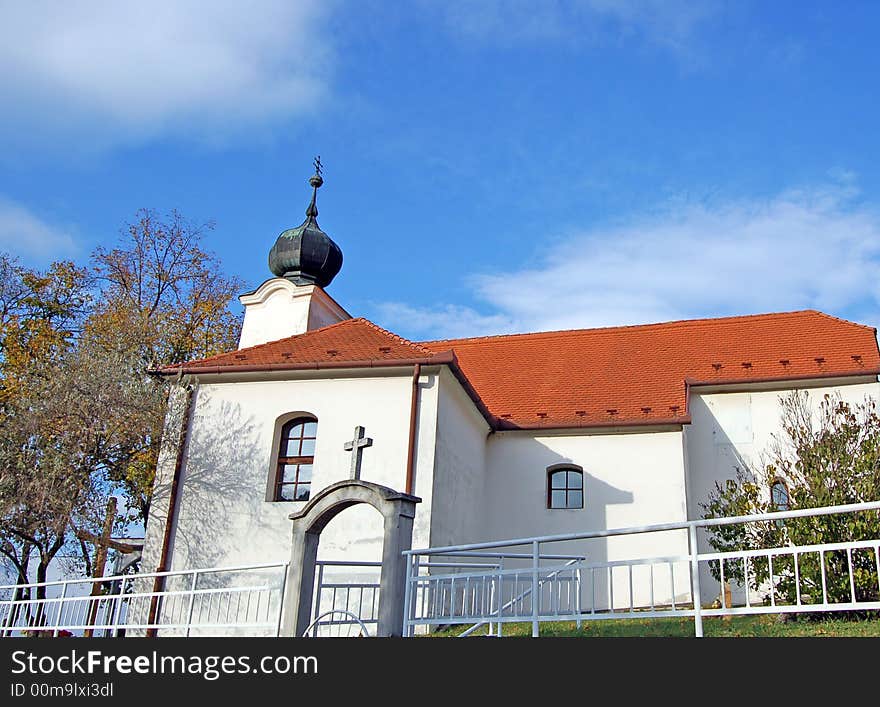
397	509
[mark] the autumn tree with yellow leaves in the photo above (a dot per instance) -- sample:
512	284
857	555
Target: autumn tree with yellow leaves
80	418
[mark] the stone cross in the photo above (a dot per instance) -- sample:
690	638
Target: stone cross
356	446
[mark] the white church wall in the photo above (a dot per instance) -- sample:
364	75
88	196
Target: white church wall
224	518
630	479
459	466
735	430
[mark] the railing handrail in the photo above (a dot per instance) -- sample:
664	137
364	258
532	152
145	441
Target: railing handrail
506	572
656	528
135	595
145	575
512	555
789	550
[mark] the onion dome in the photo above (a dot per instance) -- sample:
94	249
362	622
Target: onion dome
306	255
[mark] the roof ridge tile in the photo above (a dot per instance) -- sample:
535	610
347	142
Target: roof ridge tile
397	337
672	324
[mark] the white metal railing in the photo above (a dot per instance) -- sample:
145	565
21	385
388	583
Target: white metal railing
572	585
531	588
245	599
346	599
468	592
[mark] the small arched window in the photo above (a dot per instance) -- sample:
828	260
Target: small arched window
296	455
779	497
565	487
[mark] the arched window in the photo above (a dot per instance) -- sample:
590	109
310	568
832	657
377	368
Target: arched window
779	497
565	487
296	455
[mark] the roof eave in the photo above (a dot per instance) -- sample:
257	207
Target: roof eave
444	357
695	382
507	425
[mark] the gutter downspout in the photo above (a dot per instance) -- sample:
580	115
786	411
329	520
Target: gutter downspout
413	411
159	582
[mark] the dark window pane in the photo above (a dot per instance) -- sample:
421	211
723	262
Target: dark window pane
780	496
557	499
557	480
302	492
575	499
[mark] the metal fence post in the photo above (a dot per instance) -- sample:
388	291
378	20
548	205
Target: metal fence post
318	592
500	597
280	601
407	598
192	600
60	609
535	598
118	611
695	581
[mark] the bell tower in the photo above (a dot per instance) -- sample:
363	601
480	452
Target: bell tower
304	261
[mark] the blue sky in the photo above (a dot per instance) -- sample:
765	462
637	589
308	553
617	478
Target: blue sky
490	166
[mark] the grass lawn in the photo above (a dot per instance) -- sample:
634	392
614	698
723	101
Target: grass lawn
748	626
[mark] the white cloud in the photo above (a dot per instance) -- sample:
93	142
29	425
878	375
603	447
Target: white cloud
447	320
809	248
124	71
25	235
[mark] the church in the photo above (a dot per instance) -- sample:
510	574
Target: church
496	437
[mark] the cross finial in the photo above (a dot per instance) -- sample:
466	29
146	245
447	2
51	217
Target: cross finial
356	446
316	181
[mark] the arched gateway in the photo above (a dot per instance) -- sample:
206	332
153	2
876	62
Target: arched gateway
397	509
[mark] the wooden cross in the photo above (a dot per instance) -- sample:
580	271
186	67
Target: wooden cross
356	446
101	544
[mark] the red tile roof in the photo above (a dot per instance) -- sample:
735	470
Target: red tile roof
593	377
354	341
640	373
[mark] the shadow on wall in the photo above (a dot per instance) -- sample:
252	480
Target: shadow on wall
521	511
727	460
221	514
598	496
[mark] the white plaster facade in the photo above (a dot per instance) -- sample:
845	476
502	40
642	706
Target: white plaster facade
474	484
278	308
